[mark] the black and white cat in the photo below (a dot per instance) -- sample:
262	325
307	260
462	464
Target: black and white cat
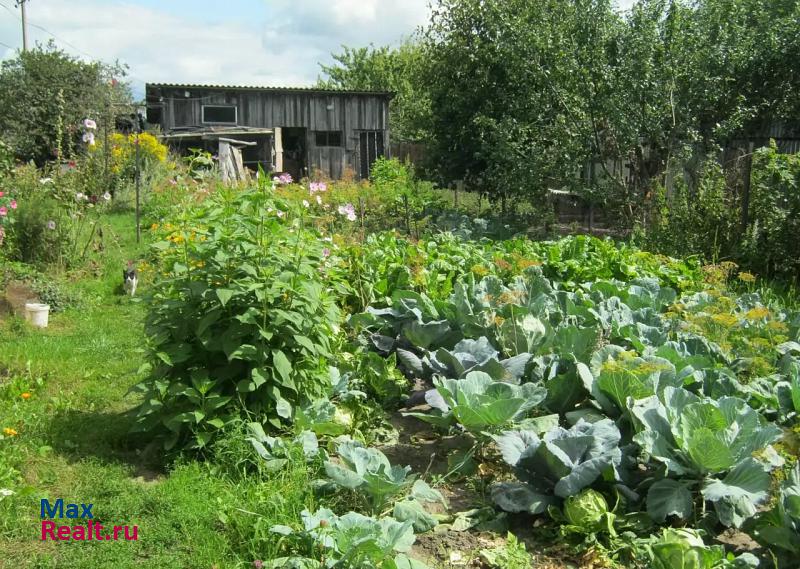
130	279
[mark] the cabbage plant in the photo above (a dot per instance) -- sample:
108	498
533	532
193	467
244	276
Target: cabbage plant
351	540
478	355
558	465
780	526
706	443
684	548
478	403
368	470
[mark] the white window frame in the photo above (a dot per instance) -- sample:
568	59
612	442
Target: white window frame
235	112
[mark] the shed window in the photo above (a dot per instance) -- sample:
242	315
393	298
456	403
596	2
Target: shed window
220	114
328	137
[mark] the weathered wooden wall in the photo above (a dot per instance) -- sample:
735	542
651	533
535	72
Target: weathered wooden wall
346	112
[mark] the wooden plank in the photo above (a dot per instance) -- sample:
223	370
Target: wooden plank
278	149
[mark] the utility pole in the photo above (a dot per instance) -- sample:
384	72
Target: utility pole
21	5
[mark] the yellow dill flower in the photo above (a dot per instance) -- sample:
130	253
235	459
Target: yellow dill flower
747	277
726	320
776	326
479	271
757	313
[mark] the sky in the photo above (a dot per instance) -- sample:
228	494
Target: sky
237	42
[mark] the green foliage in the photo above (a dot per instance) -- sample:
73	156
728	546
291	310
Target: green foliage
561	464
703	221
385	69
480	404
55	219
770	246
588	512
510	555
351	540
368	470
46	93
779	526
708	441
256	323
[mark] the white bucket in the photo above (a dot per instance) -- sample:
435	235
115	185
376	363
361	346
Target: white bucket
37	314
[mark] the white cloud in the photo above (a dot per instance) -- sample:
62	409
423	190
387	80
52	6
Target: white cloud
282	48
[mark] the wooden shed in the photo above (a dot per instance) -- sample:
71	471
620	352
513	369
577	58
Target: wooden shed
296	130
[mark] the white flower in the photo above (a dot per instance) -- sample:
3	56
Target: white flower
79	197
319	200
6	492
305	203
46	180
107	197
89	123
88	138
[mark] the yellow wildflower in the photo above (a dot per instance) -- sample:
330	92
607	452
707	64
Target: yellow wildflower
480	271
9	432
25	395
757	313
726	320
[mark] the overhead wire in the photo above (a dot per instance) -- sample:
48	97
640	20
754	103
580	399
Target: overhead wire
63	41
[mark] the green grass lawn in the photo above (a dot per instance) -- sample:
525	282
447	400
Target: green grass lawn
73	443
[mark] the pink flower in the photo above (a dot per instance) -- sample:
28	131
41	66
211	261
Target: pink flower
326	252
315	187
258	564
51	225
173	182
348	210
89	123
1	194
3	211
13	204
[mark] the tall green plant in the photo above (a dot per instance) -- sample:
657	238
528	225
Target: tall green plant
241	323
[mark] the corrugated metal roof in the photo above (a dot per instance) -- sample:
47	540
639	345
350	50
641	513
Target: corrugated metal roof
268	89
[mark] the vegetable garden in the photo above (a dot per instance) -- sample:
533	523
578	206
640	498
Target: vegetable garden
638	406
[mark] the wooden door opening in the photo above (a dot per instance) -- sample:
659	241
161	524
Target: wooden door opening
295	152
370	148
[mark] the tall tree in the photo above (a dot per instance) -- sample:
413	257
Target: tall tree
45	93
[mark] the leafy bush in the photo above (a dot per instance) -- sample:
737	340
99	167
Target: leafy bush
55	218
771	246
704	220
241	321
